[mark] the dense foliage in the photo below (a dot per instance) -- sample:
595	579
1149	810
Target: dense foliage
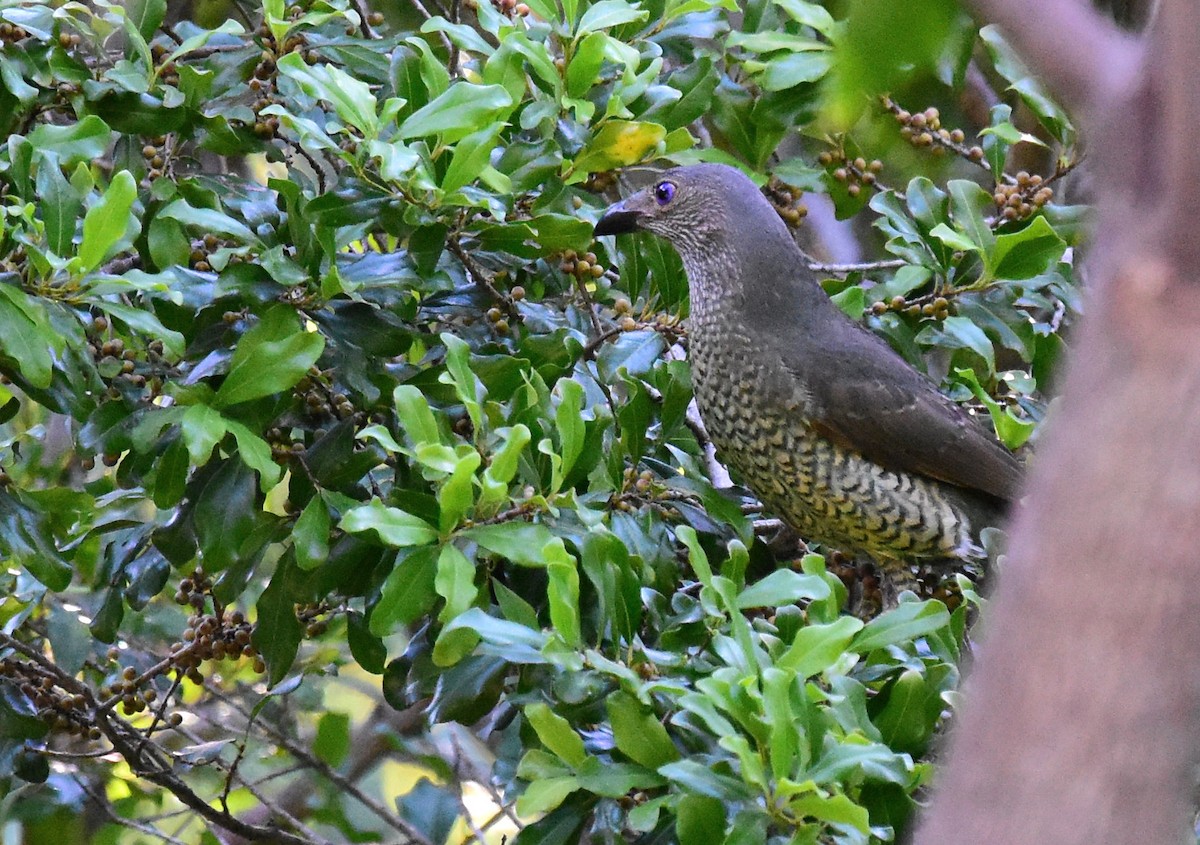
350	491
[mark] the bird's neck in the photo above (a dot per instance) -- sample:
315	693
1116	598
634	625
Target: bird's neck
766	279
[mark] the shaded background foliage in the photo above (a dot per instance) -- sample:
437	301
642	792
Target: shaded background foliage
331	440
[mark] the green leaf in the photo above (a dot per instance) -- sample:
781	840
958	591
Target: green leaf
852	301
208	220
408	593
146	16
471	156
202	428
1027	253
1012	431
556	734
505	460
351	98
699	820
638	734
310	536
277	631
961	333
700	779
808	14
26	336
393	526
571	430
817	647
143	320
78	142
109	224
461	110
455	582
911	713
332	742
970	204
521	542
271	357
458	373
635	352
783	586
562	592
256	454
585	63
61	206
615	780
610	13
789	71
544	795
696	555
837	809
514	642
954	239
619	143
457	494
901	625
415	415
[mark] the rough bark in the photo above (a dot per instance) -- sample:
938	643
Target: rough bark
1081	722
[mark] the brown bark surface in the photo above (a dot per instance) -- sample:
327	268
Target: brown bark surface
1081	722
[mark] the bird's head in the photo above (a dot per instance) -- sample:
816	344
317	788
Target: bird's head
699	209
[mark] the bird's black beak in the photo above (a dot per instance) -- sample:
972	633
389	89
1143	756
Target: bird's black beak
618	219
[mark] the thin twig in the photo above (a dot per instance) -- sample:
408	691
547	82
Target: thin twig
596	342
860	267
477	273
420	7
717	474
105	807
337	779
363	13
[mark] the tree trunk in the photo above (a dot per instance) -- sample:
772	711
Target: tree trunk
1082	719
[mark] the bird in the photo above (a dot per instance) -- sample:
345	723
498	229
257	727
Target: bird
822	420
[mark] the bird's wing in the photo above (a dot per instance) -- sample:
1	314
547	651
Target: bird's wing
882	408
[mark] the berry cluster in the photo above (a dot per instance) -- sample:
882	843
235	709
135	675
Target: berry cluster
134	693
787	201
1021	200
10	33
860	580
853	173
321	400
155	153
936	307
508	8
212	637
201	256
263	77
638	489
168	72
511	7
61	709
583	267
924	129
115	362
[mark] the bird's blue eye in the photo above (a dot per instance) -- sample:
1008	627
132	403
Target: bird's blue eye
664	192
